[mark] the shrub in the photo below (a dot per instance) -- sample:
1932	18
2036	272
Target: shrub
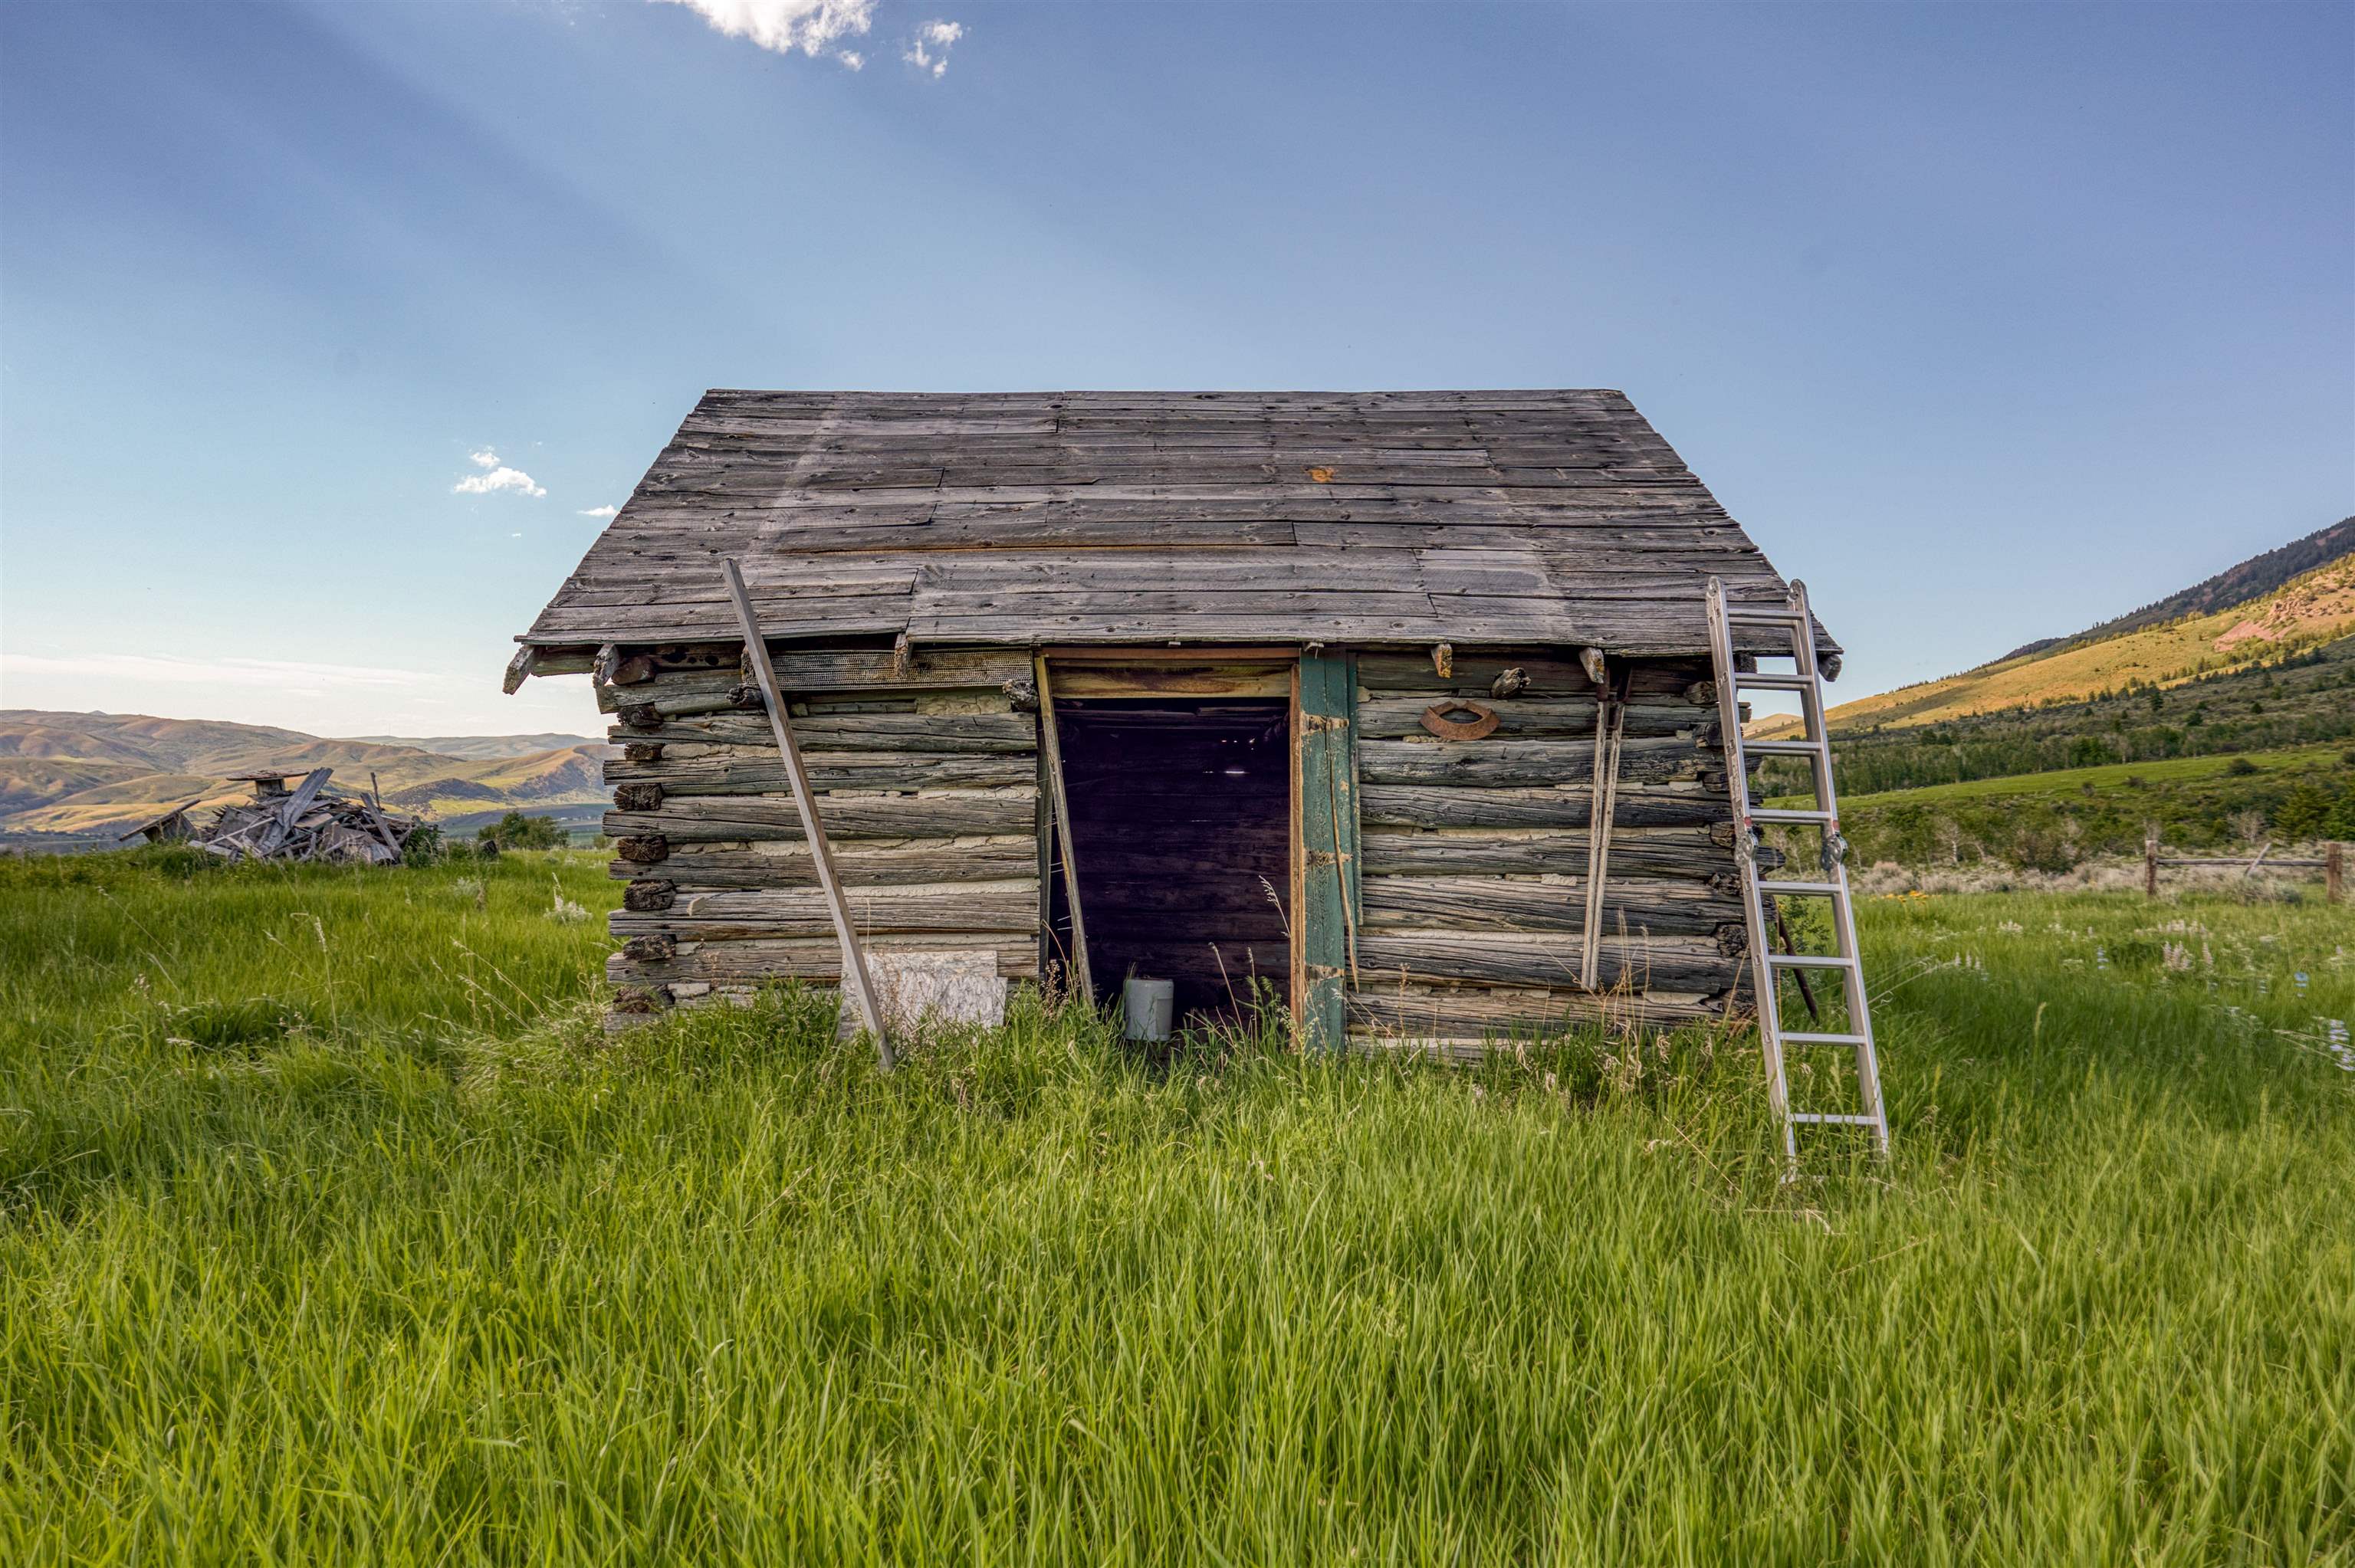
515	830
2240	768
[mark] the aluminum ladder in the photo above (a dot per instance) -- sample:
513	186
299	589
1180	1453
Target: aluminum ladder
1767	965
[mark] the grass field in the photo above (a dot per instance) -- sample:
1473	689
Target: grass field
2110	777
337	1231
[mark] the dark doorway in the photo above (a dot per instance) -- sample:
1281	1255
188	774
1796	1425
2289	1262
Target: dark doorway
1181	826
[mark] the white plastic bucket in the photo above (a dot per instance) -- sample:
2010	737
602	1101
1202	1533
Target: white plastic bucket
1147	1005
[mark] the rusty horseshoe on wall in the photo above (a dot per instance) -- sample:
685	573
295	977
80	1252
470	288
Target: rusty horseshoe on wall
1481	725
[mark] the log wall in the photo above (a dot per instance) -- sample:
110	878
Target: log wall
1475	853
926	769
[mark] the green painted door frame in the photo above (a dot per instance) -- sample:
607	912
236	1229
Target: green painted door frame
1324	852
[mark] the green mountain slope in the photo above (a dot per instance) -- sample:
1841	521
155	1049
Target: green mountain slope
2223	714
2298	699
2316	607
2052	822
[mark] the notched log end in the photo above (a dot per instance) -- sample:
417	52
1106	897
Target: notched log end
640	716
635	670
642	751
644	849
641	1001
649	896
1734	940
637	797
519	669
650	949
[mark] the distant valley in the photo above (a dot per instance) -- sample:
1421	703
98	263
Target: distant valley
94	776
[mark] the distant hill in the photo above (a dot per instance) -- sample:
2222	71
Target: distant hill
102	774
2218	633
2253	579
481	747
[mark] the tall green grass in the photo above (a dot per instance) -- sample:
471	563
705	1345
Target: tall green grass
336	1230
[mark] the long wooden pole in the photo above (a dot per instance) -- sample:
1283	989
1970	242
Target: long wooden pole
854	961
1051	736
1610	723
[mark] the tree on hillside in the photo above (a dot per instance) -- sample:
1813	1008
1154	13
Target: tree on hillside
515	830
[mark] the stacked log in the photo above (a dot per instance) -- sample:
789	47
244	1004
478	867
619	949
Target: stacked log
925	770
1475	853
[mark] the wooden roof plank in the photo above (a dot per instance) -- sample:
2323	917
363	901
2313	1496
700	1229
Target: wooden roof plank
1521	514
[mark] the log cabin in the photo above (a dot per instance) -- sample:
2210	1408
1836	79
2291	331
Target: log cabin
1395	707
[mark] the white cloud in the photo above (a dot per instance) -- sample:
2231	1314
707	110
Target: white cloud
497	477
929	50
598	511
813	27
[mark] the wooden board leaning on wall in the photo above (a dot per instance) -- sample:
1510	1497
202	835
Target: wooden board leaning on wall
928	783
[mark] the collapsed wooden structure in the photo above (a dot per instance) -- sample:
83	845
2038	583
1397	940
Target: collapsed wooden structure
1396	702
306	822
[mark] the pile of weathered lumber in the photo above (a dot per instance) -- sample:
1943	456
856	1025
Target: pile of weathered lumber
306	822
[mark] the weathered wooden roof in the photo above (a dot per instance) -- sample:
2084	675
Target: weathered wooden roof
1495	518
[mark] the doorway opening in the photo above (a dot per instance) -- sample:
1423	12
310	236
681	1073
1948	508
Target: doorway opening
1181	830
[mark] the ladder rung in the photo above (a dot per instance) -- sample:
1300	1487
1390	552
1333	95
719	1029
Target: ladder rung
1765	622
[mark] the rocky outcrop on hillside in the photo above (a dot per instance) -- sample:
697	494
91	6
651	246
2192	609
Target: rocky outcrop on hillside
2251	579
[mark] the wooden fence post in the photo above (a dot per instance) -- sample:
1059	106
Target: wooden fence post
2150	864
2334	873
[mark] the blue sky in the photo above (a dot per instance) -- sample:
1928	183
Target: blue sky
1988	321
